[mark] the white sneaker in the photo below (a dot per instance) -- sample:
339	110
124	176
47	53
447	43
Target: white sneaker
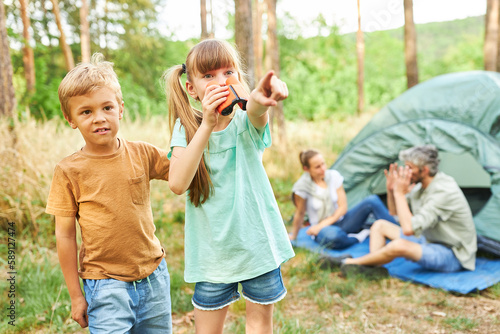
361	236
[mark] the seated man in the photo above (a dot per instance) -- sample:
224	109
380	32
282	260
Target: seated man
438	232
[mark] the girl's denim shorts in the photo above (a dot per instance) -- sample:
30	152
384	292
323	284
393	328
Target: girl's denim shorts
264	289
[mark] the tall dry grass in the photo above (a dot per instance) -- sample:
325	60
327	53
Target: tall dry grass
29	152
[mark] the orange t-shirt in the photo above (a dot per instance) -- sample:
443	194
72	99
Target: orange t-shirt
109	196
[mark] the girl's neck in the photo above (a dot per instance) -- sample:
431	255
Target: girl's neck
222	123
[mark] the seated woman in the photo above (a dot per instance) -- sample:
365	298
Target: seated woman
319	193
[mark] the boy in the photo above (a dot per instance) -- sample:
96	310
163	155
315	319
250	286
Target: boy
105	185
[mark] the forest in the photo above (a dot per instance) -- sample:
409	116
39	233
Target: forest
323	68
41	40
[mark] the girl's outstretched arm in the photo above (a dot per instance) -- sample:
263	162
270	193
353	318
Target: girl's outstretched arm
269	91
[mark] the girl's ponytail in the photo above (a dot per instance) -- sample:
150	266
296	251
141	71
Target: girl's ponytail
180	107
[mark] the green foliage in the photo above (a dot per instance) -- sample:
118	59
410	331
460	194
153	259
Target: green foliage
45	102
321	72
318	73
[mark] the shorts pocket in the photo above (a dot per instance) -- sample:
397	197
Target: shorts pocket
90	287
138	189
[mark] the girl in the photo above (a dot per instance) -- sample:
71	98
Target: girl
234	230
319	192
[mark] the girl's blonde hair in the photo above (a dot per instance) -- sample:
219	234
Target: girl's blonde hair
208	55
86	78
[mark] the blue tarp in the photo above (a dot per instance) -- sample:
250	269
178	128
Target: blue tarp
487	271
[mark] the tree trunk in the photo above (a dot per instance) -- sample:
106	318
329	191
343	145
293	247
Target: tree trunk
28	56
243	36
7	93
203	16
410	45
68	55
360	49
257	41
273	62
491	36
85	31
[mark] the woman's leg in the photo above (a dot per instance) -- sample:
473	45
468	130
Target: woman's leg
355	218
259	318
334	237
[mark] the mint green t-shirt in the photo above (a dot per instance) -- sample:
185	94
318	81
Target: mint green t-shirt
238	233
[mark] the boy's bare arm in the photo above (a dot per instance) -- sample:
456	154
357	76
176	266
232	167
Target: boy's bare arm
67	252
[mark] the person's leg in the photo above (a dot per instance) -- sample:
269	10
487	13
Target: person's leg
259	318
380	231
356	217
211	302
108	297
154	315
439	258
396	248
261	293
209	322
379	209
334	237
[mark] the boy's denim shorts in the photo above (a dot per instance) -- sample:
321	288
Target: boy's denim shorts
142	306
264	289
435	257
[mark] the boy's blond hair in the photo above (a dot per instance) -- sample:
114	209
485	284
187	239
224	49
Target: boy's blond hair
86	78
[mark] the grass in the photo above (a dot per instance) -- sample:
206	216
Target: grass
318	301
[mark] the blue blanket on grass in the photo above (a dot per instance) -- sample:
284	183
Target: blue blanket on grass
487	271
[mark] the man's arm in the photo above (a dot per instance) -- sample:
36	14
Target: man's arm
390	177
67	252
402	186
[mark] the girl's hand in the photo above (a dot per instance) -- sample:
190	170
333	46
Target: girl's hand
269	91
214	96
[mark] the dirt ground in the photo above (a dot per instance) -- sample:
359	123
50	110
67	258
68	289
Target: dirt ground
384	306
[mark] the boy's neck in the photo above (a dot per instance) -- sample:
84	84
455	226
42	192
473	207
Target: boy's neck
102	150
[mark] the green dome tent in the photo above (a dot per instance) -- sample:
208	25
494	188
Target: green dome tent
459	113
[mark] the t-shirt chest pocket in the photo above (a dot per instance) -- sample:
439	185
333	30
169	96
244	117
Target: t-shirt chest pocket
138	189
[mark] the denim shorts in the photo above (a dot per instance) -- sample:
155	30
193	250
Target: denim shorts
264	289
435	257
142	306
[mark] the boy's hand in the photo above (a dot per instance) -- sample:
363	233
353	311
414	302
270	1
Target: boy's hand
269	91
79	311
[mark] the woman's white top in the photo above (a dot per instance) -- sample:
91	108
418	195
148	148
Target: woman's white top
320	202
